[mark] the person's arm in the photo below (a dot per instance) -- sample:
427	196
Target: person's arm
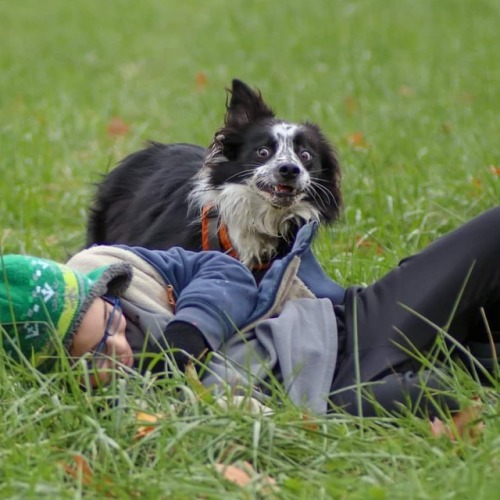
317	280
214	293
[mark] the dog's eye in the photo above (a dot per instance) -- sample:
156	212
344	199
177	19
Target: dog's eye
305	155
264	152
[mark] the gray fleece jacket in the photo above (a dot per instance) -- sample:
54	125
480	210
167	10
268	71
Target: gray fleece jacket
291	338
297	348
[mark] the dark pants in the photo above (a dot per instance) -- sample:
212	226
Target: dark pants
442	287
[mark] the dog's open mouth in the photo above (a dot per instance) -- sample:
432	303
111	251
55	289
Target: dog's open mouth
283	190
281	194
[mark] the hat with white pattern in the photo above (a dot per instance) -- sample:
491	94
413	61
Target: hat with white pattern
42	304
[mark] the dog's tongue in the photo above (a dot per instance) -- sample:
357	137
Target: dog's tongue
280	188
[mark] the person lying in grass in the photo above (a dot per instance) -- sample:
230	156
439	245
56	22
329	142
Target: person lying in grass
118	306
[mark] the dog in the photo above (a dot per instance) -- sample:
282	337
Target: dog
246	194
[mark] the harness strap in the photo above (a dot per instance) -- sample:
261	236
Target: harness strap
171	297
214	236
209	229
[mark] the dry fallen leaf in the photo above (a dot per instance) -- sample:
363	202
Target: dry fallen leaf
406	91
439	428
494	170
309	423
79	468
117	127
464	424
477	184
358	140
364	242
233	474
201	80
146	418
351	104
242	475
446	127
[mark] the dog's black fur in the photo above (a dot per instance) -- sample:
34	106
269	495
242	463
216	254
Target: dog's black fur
265	177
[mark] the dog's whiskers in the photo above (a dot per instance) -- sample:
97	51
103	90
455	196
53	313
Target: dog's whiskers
328	195
239	174
209	189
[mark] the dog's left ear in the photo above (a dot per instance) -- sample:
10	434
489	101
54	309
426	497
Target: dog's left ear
245	106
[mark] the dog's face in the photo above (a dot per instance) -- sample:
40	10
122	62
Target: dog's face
285	164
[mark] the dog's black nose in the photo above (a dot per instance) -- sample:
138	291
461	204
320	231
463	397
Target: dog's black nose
289	171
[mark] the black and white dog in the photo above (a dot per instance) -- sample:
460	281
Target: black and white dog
247	194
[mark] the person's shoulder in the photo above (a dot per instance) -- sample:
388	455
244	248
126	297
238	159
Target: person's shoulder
97	256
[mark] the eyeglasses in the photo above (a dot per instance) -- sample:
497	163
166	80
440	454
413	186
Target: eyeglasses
111	327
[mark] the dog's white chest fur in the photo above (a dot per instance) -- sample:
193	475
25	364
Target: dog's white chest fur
254	226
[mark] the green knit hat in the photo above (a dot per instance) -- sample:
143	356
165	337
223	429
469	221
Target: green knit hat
42	304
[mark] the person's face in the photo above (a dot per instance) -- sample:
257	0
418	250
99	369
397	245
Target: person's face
102	329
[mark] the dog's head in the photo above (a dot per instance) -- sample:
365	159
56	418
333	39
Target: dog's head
285	164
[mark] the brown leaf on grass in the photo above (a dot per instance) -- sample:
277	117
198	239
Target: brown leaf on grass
79	468
117	127
439	428
358	140
234	474
364	242
309	423
464	424
351	104
477	184
495	170
406	91
146	418
201	80
242	475
446	127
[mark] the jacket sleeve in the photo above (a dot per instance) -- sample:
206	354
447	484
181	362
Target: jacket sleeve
214	292
315	278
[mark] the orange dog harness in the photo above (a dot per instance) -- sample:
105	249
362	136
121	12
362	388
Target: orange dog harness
214	235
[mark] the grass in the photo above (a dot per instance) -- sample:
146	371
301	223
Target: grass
408	92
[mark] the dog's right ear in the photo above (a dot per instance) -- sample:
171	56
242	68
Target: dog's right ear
245	106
